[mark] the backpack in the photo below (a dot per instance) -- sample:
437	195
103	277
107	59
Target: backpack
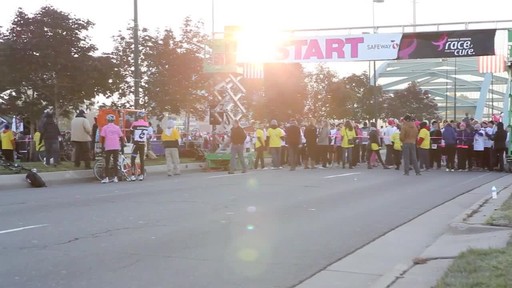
35	180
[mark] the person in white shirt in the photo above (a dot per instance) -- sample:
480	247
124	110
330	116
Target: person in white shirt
478	146
387	133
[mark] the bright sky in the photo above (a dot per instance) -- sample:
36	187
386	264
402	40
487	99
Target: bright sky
111	16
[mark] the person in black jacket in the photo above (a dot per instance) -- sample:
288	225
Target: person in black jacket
238	137
500	147
311	135
435	145
293	141
50	134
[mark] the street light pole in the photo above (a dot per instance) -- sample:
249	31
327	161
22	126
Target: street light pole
376	106
455	90
136	55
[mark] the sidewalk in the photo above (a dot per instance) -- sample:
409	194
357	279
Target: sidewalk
79	176
427	238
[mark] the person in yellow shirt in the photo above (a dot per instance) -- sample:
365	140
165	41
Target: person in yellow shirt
275	135
259	146
397	147
424	146
348	136
39	144
171	143
8	143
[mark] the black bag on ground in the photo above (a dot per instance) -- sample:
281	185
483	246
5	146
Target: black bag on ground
35	180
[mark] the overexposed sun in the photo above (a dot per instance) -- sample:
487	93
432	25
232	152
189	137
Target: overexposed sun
258	44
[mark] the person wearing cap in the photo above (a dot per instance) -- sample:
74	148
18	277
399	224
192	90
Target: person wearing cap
81	131
293	141
171	141
111	138
8	142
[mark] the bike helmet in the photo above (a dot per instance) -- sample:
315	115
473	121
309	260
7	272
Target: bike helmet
111	118
141	114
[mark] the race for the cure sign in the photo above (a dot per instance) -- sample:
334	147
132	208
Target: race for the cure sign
362	47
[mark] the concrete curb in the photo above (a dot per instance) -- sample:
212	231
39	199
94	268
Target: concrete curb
467	230
81	176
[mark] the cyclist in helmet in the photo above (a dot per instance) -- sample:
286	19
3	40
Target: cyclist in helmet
111	138
139	135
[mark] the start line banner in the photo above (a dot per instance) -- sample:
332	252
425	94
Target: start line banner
392	46
362	47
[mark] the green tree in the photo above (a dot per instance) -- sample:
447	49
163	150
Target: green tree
320	85
411	100
284	93
171	70
50	62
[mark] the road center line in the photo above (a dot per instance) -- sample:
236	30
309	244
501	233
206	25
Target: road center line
22	228
342	175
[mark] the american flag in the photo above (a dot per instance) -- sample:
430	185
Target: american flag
253	71
492	64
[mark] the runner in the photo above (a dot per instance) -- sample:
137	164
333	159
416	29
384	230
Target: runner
139	133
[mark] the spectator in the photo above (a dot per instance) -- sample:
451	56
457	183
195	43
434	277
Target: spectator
171	143
8	143
259	146
500	148
95	137
408	137
237	138
50	134
159	132
39	145
375	146
81	138
293	141
111	139
275	135
450	143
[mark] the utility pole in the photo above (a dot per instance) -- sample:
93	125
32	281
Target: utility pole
136	70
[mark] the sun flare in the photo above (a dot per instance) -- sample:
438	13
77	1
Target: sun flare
258	44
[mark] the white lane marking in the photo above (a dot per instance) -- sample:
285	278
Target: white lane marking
22	228
226	175
342	175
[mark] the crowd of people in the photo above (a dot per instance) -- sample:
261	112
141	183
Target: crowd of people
409	144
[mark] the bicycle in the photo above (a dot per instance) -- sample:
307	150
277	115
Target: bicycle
17	168
124	168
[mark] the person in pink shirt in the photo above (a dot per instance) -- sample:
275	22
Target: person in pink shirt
110	139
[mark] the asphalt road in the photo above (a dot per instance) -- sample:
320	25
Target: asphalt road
270	228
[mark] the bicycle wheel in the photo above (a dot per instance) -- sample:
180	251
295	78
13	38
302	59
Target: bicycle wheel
99	169
124	169
41	153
